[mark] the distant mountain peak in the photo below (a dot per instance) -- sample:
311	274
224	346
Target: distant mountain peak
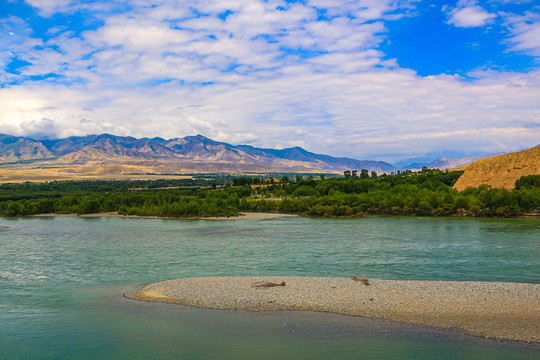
196	153
197	137
444	163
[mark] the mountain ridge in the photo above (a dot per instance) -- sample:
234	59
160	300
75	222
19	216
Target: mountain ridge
109	156
444	163
177	155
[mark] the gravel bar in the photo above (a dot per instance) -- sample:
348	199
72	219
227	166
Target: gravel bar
496	310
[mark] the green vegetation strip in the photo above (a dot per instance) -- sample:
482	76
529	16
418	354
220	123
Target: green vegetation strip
426	193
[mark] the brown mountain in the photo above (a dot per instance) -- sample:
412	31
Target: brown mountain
109	154
14	149
500	171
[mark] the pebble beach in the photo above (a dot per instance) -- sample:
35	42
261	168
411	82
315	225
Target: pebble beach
496	310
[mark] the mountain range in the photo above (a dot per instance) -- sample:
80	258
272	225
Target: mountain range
444	163
107	156
186	153
107	153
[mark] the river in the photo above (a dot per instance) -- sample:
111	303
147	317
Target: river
62	280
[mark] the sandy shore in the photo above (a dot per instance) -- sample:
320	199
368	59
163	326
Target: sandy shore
496	310
241	216
3	227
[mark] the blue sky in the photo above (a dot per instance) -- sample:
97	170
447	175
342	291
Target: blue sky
377	79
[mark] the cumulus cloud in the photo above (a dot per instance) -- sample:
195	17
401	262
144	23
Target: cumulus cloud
40	129
269	73
232	40
372	113
468	14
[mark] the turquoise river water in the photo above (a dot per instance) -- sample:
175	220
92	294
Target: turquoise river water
62	280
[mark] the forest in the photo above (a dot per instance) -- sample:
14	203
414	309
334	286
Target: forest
424	193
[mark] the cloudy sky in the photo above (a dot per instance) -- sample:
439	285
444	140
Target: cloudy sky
369	79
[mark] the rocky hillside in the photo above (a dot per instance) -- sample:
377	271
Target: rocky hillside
13	149
109	154
500	171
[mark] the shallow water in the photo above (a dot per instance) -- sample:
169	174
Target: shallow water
61	282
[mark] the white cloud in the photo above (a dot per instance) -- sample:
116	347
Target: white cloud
468	14
348	62
365	10
269	74
525	32
255	38
15	41
49	7
372	113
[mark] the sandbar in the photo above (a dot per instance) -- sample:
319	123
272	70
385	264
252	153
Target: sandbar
496	310
3	227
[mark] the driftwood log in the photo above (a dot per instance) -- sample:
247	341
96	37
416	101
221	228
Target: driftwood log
363	279
268	284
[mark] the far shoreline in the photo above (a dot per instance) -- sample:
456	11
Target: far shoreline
240	216
270	215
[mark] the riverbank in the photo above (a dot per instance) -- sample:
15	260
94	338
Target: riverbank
262	216
496	310
241	216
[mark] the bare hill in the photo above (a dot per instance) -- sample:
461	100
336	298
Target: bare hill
500	171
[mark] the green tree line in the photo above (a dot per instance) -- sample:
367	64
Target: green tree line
426	193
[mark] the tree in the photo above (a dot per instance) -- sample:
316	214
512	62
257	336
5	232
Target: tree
347	174
88	206
45	206
424	208
364	174
13	209
528	182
